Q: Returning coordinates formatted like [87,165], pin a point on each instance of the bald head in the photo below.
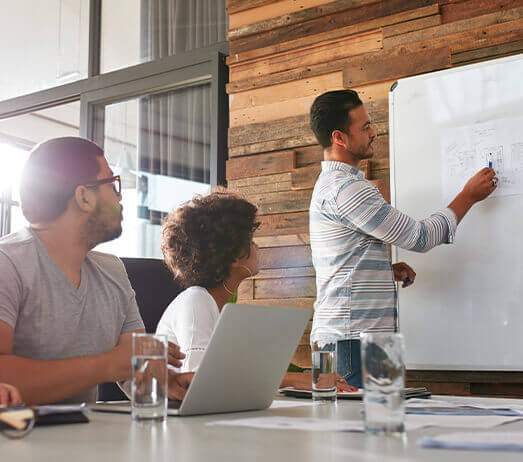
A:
[51,174]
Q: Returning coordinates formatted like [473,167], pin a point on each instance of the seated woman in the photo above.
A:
[9,395]
[208,245]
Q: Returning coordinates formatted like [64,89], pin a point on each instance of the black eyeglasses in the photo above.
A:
[115,180]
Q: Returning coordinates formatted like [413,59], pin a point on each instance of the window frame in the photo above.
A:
[195,67]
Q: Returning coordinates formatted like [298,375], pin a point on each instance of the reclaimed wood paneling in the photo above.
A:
[283,53]
[410,26]
[456,27]
[309,56]
[394,64]
[285,257]
[259,132]
[305,138]
[278,273]
[282,202]
[299,125]
[305,177]
[309,155]
[268,11]
[297,17]
[285,223]
[285,91]
[284,288]
[282,241]
[265,164]
[252,185]
[496,51]
[235,6]
[246,289]
[279,101]
[334,34]
[464,10]
[326,23]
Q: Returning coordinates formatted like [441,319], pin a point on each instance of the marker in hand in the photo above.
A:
[490,164]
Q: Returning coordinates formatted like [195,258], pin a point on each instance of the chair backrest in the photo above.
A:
[154,286]
[155,289]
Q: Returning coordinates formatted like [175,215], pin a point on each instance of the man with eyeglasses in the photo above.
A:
[67,313]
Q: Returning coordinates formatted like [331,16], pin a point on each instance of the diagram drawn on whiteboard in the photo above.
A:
[466,150]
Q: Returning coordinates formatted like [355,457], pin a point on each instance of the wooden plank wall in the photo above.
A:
[283,53]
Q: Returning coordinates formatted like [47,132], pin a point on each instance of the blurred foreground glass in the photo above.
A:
[149,383]
[383,367]
[324,370]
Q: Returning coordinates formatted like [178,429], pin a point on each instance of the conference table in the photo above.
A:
[114,437]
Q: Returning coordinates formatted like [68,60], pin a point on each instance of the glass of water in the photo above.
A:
[149,383]
[324,370]
[383,368]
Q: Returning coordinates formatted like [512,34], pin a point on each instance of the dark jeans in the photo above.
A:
[349,362]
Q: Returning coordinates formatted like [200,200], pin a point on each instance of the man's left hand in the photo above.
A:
[403,273]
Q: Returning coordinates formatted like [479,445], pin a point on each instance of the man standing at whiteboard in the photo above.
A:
[351,226]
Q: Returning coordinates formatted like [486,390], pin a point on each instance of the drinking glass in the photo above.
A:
[383,368]
[324,370]
[149,382]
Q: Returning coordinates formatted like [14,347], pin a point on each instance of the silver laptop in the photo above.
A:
[244,363]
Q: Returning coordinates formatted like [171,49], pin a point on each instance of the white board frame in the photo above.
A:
[469,352]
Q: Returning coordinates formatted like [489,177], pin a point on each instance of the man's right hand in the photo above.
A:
[477,188]
[119,360]
[481,185]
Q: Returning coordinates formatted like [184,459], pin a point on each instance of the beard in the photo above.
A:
[366,152]
[101,227]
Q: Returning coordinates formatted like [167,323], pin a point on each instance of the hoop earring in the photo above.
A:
[229,291]
[248,270]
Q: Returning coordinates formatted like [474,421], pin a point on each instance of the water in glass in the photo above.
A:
[385,408]
[324,375]
[149,390]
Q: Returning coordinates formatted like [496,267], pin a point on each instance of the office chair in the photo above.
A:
[155,290]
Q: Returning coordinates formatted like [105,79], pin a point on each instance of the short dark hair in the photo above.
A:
[330,111]
[51,174]
[202,238]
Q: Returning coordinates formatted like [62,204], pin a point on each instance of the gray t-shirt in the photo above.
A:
[51,318]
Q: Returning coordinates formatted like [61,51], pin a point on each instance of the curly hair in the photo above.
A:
[202,238]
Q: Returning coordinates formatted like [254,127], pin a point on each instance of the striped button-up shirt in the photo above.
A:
[350,227]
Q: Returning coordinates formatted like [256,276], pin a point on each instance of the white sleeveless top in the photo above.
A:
[189,322]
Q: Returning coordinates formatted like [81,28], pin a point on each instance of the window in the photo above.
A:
[138,31]
[159,108]
[163,157]
[18,135]
[47,40]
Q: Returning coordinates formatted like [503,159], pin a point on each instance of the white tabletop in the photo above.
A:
[114,437]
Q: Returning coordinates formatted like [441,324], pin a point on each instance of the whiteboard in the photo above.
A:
[465,309]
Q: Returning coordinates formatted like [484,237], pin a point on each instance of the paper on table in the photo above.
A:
[295,423]
[506,441]
[279,403]
[434,403]
[413,422]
